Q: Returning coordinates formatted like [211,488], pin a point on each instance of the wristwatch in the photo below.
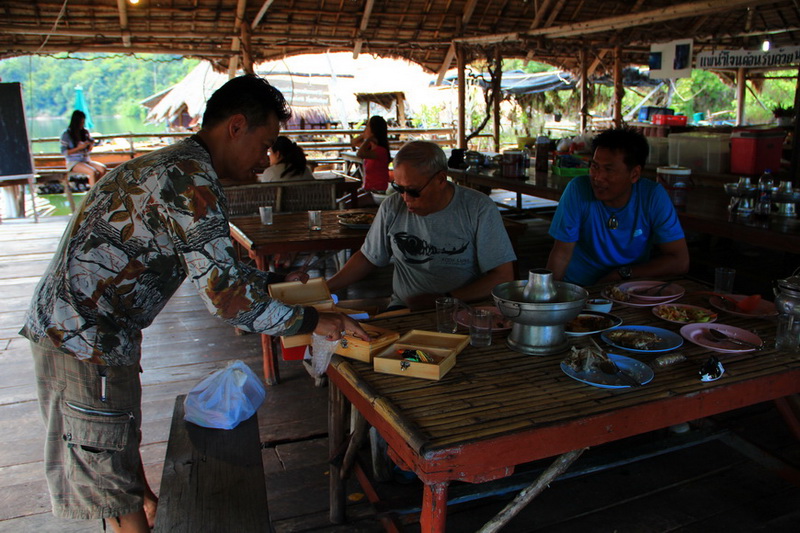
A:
[624,272]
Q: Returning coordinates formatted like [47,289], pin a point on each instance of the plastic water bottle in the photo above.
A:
[764,204]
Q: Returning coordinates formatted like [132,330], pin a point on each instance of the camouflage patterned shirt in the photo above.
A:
[142,229]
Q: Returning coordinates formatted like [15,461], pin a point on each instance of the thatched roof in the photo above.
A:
[422,31]
[318,87]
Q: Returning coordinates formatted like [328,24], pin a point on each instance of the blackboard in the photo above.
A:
[15,152]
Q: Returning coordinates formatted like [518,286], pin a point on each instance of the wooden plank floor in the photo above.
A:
[705,488]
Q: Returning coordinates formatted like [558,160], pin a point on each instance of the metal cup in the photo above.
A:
[480,327]
[266,215]
[723,280]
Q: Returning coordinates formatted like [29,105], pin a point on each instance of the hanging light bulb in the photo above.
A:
[133,2]
[765,46]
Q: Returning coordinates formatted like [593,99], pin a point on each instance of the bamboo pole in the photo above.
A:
[528,494]
[584,96]
[462,112]
[496,83]
[619,90]
[741,83]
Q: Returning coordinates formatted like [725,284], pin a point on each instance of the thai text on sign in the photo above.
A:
[777,57]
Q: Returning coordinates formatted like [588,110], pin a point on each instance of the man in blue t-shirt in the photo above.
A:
[607,223]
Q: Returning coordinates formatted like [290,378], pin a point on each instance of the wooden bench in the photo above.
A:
[213,479]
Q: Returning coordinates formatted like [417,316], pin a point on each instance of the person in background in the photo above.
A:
[607,223]
[373,148]
[442,238]
[287,162]
[76,143]
[141,231]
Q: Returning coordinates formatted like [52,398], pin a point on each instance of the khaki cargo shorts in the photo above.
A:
[91,454]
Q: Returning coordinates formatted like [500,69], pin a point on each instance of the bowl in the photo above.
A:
[599,304]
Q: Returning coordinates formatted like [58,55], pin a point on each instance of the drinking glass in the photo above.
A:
[480,327]
[315,220]
[266,214]
[723,280]
[446,308]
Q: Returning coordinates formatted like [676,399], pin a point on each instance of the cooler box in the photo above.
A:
[701,152]
[754,150]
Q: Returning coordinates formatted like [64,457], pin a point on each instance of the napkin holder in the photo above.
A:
[442,347]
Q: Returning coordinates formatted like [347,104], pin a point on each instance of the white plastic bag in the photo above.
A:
[321,353]
[225,398]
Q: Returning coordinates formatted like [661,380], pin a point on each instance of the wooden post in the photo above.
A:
[584,97]
[401,109]
[433,517]
[337,434]
[619,89]
[794,166]
[496,82]
[462,91]
[741,90]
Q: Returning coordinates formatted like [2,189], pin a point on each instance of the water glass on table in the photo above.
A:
[446,308]
[315,220]
[266,215]
[723,280]
[480,327]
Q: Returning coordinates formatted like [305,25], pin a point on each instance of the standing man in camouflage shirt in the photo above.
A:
[143,229]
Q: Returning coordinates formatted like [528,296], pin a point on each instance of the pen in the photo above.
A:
[103,379]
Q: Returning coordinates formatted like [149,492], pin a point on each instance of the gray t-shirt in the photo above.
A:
[439,252]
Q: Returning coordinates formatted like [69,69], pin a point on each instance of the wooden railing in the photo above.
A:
[320,145]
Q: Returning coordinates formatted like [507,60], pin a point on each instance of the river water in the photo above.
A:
[53,127]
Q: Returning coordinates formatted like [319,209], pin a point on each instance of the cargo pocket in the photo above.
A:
[96,443]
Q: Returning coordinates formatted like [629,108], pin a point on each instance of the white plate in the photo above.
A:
[698,334]
[636,302]
[668,293]
[764,308]
[669,340]
[712,315]
[638,370]
[611,322]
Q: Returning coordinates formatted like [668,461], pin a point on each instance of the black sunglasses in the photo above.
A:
[413,193]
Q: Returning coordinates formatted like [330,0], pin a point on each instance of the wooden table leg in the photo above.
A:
[434,508]
[271,371]
[337,434]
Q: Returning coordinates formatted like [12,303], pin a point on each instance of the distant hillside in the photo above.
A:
[113,84]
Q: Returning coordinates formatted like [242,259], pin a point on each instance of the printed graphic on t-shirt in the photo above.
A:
[417,250]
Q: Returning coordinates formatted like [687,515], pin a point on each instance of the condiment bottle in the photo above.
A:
[763,206]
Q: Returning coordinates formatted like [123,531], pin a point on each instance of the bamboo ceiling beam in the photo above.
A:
[469,9]
[554,13]
[540,12]
[261,12]
[363,27]
[641,18]
[122,6]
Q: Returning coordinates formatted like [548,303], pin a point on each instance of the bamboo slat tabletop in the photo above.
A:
[494,391]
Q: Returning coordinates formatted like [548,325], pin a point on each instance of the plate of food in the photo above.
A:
[700,335]
[617,295]
[500,323]
[652,291]
[642,339]
[356,220]
[684,314]
[589,322]
[588,365]
[764,308]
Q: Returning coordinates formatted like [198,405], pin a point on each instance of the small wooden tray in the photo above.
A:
[443,347]
[362,350]
[314,292]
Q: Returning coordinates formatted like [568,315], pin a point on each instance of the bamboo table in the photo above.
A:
[289,232]
[498,408]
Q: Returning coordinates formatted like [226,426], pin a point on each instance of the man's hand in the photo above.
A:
[335,325]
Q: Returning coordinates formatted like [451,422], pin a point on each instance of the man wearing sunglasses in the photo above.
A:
[443,239]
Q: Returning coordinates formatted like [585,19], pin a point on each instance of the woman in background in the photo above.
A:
[373,148]
[76,143]
[287,162]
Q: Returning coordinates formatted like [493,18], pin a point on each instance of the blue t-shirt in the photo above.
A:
[647,219]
